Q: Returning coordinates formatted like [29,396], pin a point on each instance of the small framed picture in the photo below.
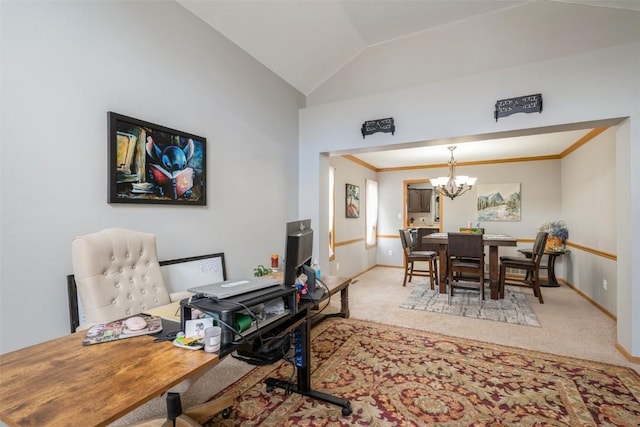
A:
[352,201]
[195,328]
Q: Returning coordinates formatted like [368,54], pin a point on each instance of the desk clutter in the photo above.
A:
[242,315]
[123,328]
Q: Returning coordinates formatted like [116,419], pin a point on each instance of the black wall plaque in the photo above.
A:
[381,125]
[521,104]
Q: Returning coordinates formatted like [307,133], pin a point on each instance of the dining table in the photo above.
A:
[493,241]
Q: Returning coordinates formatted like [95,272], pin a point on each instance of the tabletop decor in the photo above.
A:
[149,163]
[558,234]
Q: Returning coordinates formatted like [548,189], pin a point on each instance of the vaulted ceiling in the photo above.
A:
[306,42]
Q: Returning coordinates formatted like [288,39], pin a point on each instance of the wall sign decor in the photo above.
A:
[380,125]
[521,104]
[352,200]
[149,163]
[499,202]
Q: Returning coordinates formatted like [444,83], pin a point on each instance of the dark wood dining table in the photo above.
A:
[493,241]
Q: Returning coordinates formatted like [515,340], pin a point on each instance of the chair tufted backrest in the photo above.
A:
[117,273]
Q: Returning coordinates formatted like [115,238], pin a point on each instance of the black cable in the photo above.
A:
[328,300]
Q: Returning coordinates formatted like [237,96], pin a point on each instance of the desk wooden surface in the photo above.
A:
[63,383]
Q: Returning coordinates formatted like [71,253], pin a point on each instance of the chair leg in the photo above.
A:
[406,269]
[435,269]
[501,282]
[536,287]
[411,271]
[482,289]
[449,286]
[431,274]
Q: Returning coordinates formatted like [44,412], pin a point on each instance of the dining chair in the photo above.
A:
[530,265]
[412,256]
[465,257]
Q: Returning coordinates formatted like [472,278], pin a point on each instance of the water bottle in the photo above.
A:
[316,267]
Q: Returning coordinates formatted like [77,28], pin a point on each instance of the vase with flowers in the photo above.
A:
[558,234]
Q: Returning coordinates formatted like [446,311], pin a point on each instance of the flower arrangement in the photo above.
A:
[556,229]
[558,234]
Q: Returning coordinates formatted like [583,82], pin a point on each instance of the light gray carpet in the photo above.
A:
[512,309]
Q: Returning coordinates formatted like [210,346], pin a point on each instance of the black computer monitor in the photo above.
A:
[299,250]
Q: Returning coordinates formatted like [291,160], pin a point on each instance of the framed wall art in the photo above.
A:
[499,202]
[352,201]
[149,163]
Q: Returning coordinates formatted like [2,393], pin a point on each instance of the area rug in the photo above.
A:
[512,309]
[396,376]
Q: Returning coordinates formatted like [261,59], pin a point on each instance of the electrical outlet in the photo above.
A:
[604,284]
[337,266]
[390,252]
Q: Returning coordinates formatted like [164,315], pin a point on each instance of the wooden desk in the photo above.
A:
[63,383]
[336,284]
[492,240]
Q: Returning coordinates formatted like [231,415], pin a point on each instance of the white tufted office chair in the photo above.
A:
[118,274]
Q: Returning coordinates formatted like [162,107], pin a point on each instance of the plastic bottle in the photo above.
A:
[316,267]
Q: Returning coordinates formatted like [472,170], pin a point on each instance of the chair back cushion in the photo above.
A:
[117,273]
[403,239]
[465,245]
[539,244]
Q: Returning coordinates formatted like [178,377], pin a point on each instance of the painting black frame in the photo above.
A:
[137,172]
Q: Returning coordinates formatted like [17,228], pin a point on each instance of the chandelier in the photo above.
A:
[452,185]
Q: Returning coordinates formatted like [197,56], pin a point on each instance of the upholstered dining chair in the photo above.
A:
[118,275]
[530,265]
[411,257]
[465,262]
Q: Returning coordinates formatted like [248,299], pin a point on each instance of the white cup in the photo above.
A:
[212,337]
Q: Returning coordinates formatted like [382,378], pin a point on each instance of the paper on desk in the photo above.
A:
[169,311]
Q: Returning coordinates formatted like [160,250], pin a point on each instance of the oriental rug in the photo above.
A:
[512,309]
[396,376]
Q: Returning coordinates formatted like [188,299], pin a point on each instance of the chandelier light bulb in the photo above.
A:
[452,185]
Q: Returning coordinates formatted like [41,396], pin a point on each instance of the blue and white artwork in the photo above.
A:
[499,202]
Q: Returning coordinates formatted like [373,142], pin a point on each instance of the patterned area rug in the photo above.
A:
[512,309]
[402,377]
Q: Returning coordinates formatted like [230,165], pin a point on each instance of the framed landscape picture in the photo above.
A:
[149,163]
[499,202]
[352,201]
